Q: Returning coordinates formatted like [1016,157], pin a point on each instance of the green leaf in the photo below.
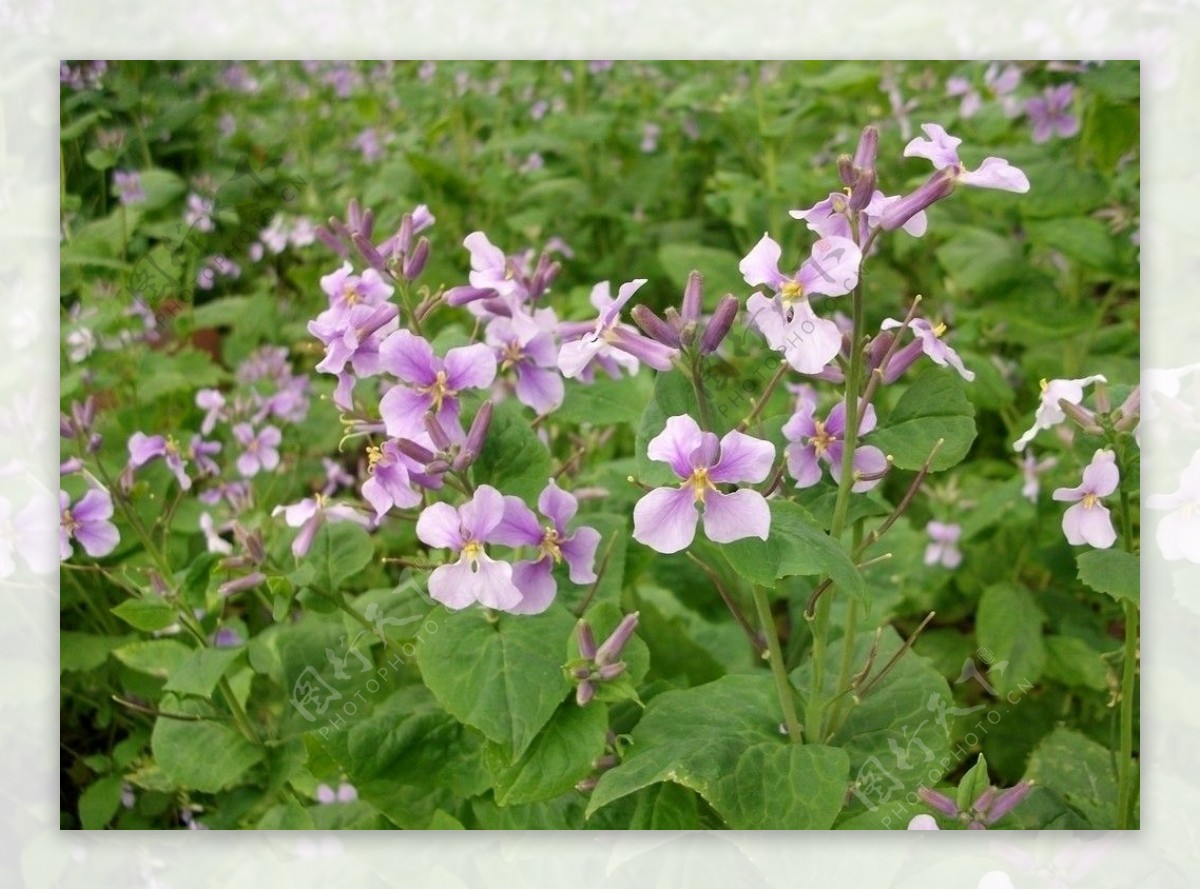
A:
[513,458]
[559,757]
[501,674]
[1114,572]
[199,673]
[86,652]
[100,802]
[934,407]
[147,615]
[160,374]
[1009,623]
[1083,239]
[979,259]
[155,657]
[161,188]
[795,546]
[606,402]
[199,754]
[286,817]
[719,268]
[222,312]
[194,587]
[1071,661]
[339,551]
[1079,770]
[722,740]
[665,807]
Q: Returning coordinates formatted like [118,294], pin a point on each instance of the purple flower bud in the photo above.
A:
[863,190]
[1006,800]
[901,361]
[417,452]
[878,348]
[236,562]
[368,223]
[66,427]
[67,467]
[845,165]
[251,542]
[415,264]
[587,640]
[543,277]
[612,671]
[354,214]
[460,296]
[1083,418]
[372,256]
[404,236]
[340,230]
[246,582]
[611,648]
[581,672]
[441,441]
[475,438]
[938,186]
[692,297]
[586,786]
[868,148]
[1130,411]
[95,440]
[654,327]
[330,240]
[585,692]
[719,325]
[938,801]
[437,467]
[605,762]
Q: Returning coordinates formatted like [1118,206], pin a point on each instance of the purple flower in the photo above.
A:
[309,514]
[927,339]
[261,449]
[942,149]
[143,449]
[1050,113]
[128,184]
[88,523]
[665,519]
[490,268]
[1178,534]
[922,822]
[609,336]
[213,404]
[813,441]
[199,213]
[390,479]
[353,336]
[879,206]
[943,545]
[346,793]
[1031,469]
[474,577]
[345,289]
[429,383]
[201,454]
[1049,412]
[520,528]
[1088,521]
[786,320]
[529,351]
[829,217]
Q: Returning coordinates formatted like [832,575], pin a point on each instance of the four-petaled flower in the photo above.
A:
[942,150]
[529,351]
[88,523]
[665,519]
[1049,412]
[1088,521]
[609,337]
[261,448]
[1050,113]
[474,577]
[927,338]
[429,383]
[786,320]
[143,449]
[346,290]
[812,441]
[942,548]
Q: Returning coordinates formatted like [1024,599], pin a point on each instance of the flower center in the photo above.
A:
[472,550]
[822,439]
[513,354]
[700,483]
[552,544]
[438,390]
[1089,501]
[374,456]
[350,295]
[791,292]
[68,522]
[939,329]
[172,445]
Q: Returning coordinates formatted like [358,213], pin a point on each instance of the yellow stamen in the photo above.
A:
[791,291]
[822,440]
[939,329]
[552,544]
[1089,501]
[438,390]
[374,456]
[700,483]
[350,295]
[472,550]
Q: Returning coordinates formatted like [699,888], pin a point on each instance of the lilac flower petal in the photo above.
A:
[922,822]
[996,173]
[95,506]
[99,537]
[941,148]
[403,412]
[491,584]
[453,585]
[680,438]
[743,459]
[803,464]
[869,461]
[143,448]
[739,514]
[410,358]
[763,314]
[575,355]
[810,343]
[519,526]
[557,505]
[801,426]
[470,367]
[832,268]
[665,519]
[1089,525]
[761,265]
[579,552]
[540,388]
[537,586]
[482,513]
[651,352]
[439,526]
[1100,477]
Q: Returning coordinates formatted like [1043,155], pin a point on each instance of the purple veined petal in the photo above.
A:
[143,448]
[802,425]
[809,342]
[764,314]
[575,355]
[680,438]
[343,393]
[933,553]
[439,525]
[403,412]
[761,265]
[743,459]
[803,464]
[835,423]
[482,513]
[827,218]
[247,464]
[557,505]
[624,293]
[579,552]
[98,537]
[536,583]
[1101,476]
[388,486]
[490,583]
[410,358]
[1083,524]
[295,515]
[268,457]
[739,514]
[539,348]
[665,519]
[996,173]
[519,526]
[470,367]
[706,452]
[941,148]
[832,267]
[95,506]
[451,585]
[542,389]
[866,419]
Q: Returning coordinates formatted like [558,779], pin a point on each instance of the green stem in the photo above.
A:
[775,653]
[848,641]
[1127,769]
[701,396]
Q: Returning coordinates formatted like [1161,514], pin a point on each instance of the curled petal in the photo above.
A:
[676,443]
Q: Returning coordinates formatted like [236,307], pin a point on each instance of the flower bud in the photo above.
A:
[330,240]
[719,325]
[845,165]
[692,297]
[415,264]
[475,438]
[460,296]
[654,327]
[417,452]
[441,441]
[938,186]
[611,648]
[1083,418]
[612,671]
[868,148]
[587,640]
[864,189]
[354,215]
[246,582]
[67,467]
[938,801]
[404,235]
[95,440]
[373,257]
[1006,800]
[585,692]
[1130,411]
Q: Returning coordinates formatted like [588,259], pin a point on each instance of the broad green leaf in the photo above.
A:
[286,817]
[339,551]
[161,187]
[795,546]
[934,406]
[606,402]
[1009,624]
[719,268]
[100,802]
[1081,771]
[722,740]
[1083,239]
[1114,572]
[559,757]
[200,755]
[513,458]
[1072,661]
[665,807]
[160,374]
[499,673]
[147,614]
[155,657]
[199,673]
[86,652]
